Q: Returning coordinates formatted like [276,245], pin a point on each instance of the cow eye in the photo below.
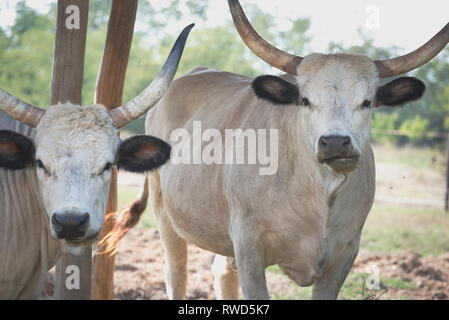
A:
[366,104]
[305,102]
[40,165]
[107,167]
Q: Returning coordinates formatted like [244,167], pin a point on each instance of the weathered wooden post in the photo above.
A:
[67,84]
[109,93]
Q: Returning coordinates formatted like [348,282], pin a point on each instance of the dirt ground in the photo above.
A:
[429,277]
[139,272]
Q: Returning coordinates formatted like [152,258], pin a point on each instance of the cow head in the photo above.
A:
[75,147]
[335,97]
[336,94]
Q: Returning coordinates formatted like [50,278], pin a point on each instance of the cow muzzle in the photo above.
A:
[338,153]
[70,225]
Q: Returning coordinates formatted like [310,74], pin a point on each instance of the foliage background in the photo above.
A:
[26,50]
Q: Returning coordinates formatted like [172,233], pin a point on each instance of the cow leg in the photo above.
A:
[175,265]
[226,281]
[328,286]
[175,260]
[249,257]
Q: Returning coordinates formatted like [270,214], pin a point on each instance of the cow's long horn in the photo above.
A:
[414,59]
[20,110]
[151,95]
[270,54]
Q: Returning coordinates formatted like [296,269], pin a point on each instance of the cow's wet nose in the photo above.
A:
[70,226]
[335,146]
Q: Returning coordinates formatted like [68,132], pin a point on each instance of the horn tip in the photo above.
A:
[189,27]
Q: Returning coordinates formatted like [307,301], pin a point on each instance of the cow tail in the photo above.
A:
[130,216]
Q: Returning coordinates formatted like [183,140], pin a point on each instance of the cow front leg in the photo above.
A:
[226,281]
[328,286]
[175,266]
[250,260]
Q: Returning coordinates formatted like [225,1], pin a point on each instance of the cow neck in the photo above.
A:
[300,157]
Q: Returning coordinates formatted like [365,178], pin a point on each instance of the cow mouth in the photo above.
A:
[342,164]
[83,241]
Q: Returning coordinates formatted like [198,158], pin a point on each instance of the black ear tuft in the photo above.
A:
[142,153]
[16,150]
[400,91]
[275,90]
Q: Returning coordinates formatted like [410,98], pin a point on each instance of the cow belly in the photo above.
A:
[196,228]
[196,207]
[282,246]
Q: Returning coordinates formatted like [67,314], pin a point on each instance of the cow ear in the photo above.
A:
[16,150]
[399,91]
[275,90]
[142,153]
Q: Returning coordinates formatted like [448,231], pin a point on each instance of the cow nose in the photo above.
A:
[335,145]
[70,226]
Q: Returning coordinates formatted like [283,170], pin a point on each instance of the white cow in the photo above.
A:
[307,217]
[55,180]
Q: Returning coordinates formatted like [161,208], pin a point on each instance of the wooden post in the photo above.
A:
[70,46]
[67,84]
[109,93]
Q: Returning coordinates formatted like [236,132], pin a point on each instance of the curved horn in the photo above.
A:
[151,95]
[414,59]
[20,110]
[270,54]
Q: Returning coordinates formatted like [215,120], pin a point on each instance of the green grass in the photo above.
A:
[397,283]
[353,288]
[392,228]
[274,269]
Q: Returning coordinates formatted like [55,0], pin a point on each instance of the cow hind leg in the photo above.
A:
[226,281]
[175,266]
[328,286]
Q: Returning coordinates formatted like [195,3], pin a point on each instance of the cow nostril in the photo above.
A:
[346,142]
[84,219]
[323,142]
[56,223]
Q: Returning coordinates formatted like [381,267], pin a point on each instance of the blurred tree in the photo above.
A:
[417,126]
[26,56]
[382,123]
[26,48]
